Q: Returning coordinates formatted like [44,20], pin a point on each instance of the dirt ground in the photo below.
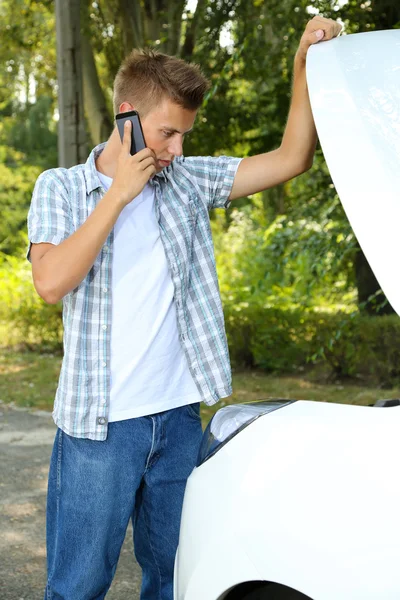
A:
[26,440]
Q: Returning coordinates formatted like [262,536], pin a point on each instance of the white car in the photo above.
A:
[296,500]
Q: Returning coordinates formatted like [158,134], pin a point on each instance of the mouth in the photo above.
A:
[165,163]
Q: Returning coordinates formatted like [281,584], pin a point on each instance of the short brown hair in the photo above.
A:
[146,77]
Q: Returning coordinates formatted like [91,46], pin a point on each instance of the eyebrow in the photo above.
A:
[172,130]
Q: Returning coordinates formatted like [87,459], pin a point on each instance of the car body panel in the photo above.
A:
[287,518]
[354,89]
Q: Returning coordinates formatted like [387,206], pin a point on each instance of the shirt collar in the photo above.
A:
[92,179]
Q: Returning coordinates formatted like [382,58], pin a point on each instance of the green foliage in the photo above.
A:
[301,259]
[25,317]
[33,131]
[287,340]
[28,144]
[359,345]
[17,179]
[286,258]
[269,338]
[28,48]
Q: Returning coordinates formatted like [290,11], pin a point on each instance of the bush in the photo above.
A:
[275,339]
[17,179]
[272,339]
[281,341]
[361,346]
[24,316]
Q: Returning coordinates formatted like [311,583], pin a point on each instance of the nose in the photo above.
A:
[175,147]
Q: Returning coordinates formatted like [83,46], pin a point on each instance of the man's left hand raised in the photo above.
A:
[317,30]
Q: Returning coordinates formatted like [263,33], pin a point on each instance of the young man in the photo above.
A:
[125,242]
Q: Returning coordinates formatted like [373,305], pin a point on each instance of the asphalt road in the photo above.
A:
[26,440]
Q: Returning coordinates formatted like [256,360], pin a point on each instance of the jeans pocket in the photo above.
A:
[194,410]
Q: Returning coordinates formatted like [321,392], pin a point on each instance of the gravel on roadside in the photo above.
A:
[26,440]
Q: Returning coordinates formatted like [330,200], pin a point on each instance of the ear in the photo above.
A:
[125,107]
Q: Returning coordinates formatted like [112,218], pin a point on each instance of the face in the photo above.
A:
[164,129]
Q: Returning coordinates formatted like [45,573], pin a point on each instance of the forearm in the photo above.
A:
[65,266]
[300,137]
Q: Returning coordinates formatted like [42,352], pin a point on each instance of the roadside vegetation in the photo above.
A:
[29,379]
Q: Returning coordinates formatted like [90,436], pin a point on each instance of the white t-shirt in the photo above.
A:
[149,370]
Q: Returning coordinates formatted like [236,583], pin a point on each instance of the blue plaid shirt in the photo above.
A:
[184,193]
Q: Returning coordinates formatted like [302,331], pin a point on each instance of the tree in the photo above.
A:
[72,148]
[245,112]
[113,29]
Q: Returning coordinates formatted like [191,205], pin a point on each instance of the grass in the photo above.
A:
[30,379]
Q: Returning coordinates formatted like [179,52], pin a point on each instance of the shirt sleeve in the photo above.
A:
[214,176]
[49,216]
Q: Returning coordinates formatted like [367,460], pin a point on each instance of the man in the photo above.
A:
[125,242]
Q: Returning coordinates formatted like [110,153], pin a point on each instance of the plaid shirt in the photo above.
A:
[184,193]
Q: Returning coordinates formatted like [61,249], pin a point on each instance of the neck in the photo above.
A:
[107,161]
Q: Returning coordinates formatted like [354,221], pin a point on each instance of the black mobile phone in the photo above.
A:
[137,141]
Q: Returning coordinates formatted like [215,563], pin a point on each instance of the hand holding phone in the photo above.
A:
[132,172]
[137,141]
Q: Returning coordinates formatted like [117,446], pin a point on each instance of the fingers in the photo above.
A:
[320,28]
[317,30]
[126,142]
[147,162]
[139,156]
[145,153]
[150,170]
[142,161]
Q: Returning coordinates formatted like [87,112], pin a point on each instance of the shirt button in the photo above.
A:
[102,420]
[105,290]
[105,248]
[104,327]
[104,363]
[104,401]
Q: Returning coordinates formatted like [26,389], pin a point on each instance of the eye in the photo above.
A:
[167,134]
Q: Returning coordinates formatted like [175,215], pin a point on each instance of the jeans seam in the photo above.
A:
[152,445]
[152,550]
[58,490]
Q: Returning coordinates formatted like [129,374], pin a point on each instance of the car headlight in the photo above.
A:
[232,419]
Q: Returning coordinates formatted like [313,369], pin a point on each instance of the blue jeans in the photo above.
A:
[139,472]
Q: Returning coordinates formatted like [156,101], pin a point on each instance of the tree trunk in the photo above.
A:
[367,286]
[96,111]
[71,127]
[191,31]
[174,16]
[386,13]
[131,23]
[162,21]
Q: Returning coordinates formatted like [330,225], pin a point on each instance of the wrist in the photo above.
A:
[116,197]
[301,56]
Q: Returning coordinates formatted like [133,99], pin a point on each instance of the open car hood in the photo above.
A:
[354,88]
